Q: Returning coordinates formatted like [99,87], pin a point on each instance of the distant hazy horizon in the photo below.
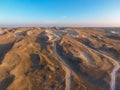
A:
[78,13]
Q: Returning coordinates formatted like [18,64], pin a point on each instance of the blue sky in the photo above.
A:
[60,12]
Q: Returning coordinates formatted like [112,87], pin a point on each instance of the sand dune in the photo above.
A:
[59,59]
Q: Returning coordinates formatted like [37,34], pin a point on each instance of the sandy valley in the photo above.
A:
[57,58]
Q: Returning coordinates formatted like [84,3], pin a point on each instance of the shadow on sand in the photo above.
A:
[4,48]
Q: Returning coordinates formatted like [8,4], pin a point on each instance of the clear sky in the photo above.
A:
[60,12]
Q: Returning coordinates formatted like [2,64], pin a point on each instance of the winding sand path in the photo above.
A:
[67,70]
[115,63]
[68,76]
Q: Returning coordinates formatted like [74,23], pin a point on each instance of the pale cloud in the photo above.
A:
[64,17]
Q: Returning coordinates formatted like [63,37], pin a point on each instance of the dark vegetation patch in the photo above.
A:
[42,42]
[35,59]
[114,36]
[6,82]
[110,50]
[87,42]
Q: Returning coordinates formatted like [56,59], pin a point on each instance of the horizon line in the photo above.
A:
[55,25]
